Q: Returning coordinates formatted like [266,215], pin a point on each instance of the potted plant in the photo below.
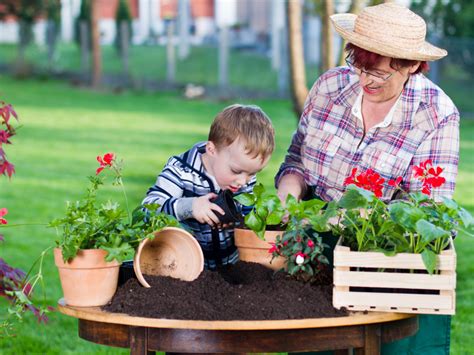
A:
[94,238]
[283,235]
[397,256]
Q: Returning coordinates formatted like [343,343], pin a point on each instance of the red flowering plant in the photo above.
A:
[416,223]
[90,224]
[299,221]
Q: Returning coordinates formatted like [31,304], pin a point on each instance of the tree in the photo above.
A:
[96,53]
[450,18]
[26,11]
[299,90]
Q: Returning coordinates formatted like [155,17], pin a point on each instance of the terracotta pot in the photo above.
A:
[173,252]
[253,249]
[88,280]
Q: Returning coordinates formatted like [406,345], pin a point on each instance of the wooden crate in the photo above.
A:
[371,281]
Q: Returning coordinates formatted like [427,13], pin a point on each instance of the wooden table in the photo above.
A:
[364,332]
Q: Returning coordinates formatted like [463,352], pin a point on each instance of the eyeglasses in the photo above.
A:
[375,77]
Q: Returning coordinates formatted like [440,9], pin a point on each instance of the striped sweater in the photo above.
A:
[183,178]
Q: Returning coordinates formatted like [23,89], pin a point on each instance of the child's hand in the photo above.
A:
[203,210]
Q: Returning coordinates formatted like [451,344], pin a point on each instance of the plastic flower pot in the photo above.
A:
[126,272]
[87,280]
[225,200]
[173,252]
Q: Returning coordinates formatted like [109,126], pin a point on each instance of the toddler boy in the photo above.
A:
[240,143]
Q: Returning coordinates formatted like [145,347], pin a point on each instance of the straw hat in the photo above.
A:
[390,30]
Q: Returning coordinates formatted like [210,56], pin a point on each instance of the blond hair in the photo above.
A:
[247,122]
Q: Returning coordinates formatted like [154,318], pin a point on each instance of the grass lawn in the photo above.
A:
[64,129]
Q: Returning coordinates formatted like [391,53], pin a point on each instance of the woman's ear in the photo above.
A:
[414,67]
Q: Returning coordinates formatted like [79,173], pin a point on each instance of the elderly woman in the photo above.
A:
[378,112]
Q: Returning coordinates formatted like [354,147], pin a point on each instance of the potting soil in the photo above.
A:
[244,291]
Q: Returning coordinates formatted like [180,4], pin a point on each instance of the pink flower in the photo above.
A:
[3,212]
[310,244]
[105,161]
[273,249]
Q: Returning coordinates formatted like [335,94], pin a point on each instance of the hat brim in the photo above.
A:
[344,25]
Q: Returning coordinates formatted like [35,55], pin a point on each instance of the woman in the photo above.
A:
[378,112]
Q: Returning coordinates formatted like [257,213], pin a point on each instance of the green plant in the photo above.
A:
[414,224]
[300,222]
[88,224]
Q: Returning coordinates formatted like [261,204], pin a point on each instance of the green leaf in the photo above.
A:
[245,199]
[429,231]
[258,190]
[466,217]
[405,214]
[253,222]
[449,203]
[429,259]
[275,217]
[354,198]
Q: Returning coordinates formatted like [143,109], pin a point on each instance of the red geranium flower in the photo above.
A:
[429,175]
[3,212]
[105,161]
[395,183]
[368,180]
[310,244]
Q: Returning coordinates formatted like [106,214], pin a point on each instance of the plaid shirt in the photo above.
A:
[184,177]
[330,139]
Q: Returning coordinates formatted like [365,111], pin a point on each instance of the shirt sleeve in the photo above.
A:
[167,191]
[442,147]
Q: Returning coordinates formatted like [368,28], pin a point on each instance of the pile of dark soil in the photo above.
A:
[244,291]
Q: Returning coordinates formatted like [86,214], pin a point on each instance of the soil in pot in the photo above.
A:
[244,291]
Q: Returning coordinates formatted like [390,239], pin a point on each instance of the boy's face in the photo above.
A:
[231,166]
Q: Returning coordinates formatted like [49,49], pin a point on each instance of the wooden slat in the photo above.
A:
[394,280]
[379,260]
[375,299]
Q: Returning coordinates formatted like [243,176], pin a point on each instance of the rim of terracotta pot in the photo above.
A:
[173,252]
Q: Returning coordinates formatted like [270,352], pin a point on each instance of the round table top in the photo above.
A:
[354,318]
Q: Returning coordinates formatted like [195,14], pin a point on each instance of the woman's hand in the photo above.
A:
[291,184]
[203,210]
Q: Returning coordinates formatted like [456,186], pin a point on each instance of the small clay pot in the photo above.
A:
[225,200]
[87,280]
[173,252]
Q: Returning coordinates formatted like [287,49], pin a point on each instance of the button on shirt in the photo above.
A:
[330,140]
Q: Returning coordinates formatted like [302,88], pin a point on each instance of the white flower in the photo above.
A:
[299,259]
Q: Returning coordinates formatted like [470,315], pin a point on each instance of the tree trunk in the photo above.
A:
[356,6]
[299,89]
[170,53]
[327,40]
[96,54]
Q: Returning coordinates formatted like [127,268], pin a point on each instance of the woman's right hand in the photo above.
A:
[291,184]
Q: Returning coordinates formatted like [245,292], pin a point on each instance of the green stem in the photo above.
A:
[23,224]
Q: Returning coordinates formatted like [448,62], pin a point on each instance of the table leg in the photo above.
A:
[139,341]
[373,337]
